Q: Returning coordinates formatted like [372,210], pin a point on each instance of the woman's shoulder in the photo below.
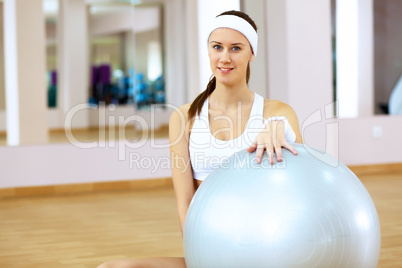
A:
[180,115]
[178,122]
[181,111]
[276,108]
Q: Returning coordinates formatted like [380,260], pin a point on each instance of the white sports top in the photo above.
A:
[208,153]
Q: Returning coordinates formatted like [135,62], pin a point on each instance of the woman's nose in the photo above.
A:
[225,56]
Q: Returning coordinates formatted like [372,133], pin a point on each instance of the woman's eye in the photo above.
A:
[217,47]
[236,48]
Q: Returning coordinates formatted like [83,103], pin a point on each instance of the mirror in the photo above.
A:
[126,54]
[126,58]
[125,50]
[387,54]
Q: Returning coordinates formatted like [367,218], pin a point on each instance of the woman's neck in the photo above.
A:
[229,97]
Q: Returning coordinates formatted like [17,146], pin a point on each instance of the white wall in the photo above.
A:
[66,164]
[358,146]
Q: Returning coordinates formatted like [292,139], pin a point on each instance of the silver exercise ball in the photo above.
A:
[301,212]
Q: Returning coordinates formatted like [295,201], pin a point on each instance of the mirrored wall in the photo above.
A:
[125,53]
[388,56]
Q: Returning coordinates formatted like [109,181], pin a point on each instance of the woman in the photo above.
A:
[225,118]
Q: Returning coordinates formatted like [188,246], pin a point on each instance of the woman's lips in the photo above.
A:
[225,70]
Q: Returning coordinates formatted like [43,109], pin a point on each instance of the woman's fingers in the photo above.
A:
[270,153]
[260,152]
[252,147]
[278,151]
[271,141]
[290,147]
[277,126]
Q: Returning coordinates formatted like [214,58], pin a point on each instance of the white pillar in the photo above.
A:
[73,63]
[299,54]
[259,67]
[300,65]
[129,50]
[192,44]
[174,32]
[2,83]
[354,42]
[277,50]
[25,71]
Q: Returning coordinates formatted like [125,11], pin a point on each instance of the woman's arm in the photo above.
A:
[180,158]
[272,138]
[289,113]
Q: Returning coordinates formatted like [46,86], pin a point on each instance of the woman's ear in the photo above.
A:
[252,57]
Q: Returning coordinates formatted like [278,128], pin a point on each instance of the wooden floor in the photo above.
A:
[85,230]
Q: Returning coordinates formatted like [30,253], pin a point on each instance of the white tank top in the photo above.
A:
[208,153]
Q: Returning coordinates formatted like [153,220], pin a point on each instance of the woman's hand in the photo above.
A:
[272,138]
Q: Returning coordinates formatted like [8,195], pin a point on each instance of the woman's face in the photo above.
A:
[229,54]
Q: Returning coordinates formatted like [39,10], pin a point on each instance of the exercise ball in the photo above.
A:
[301,212]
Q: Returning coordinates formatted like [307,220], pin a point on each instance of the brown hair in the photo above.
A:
[197,104]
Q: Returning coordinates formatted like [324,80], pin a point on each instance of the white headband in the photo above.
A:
[236,23]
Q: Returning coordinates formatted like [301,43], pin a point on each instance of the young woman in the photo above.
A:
[227,117]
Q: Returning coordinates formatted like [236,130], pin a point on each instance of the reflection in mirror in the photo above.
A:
[388,56]
[50,9]
[126,54]
[333,50]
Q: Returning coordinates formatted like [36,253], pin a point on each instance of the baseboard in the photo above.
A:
[52,190]
[64,189]
[376,169]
